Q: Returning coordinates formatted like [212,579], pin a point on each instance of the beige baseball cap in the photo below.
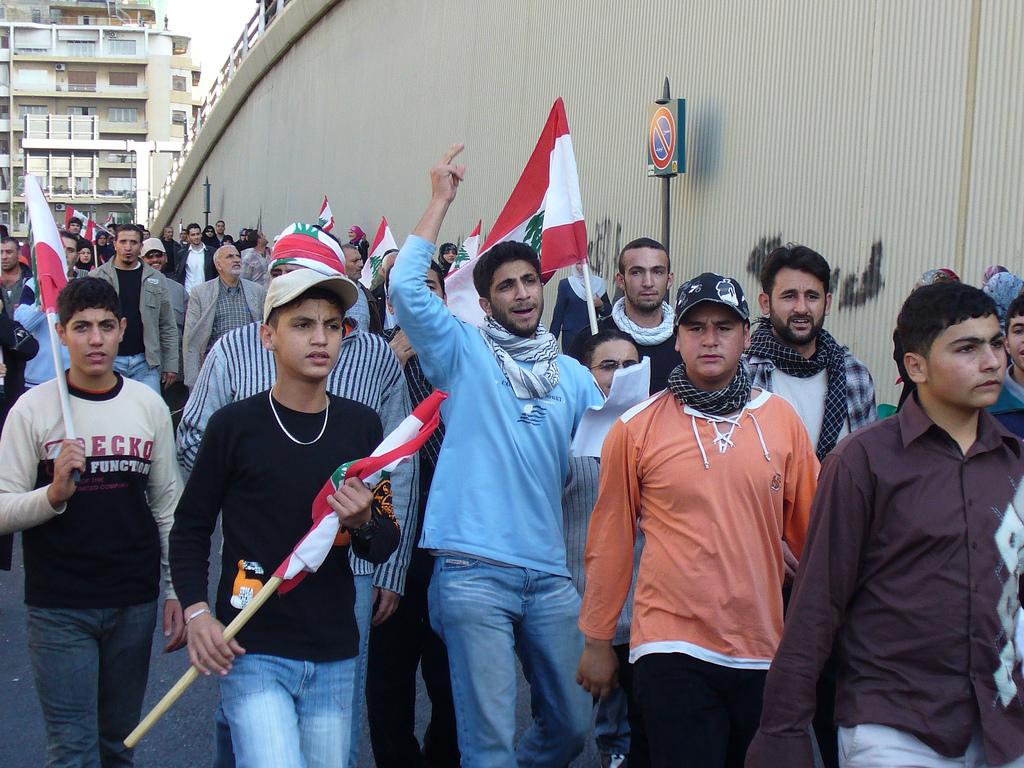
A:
[292,285]
[153,244]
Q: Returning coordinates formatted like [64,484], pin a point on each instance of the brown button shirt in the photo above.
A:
[912,566]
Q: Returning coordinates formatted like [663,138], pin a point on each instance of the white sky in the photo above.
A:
[214,26]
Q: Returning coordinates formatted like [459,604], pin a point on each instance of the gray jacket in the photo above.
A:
[199,317]
[159,331]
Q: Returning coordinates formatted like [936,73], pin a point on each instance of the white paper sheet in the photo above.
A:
[629,386]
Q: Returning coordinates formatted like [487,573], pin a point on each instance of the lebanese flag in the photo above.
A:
[88,225]
[545,211]
[48,262]
[383,242]
[465,304]
[326,218]
[407,438]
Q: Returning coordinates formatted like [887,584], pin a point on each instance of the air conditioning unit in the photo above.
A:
[60,67]
[59,206]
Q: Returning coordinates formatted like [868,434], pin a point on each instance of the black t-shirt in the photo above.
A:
[129,289]
[664,357]
[264,485]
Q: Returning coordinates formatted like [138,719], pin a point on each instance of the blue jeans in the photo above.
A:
[136,368]
[487,615]
[285,713]
[90,667]
[611,723]
[364,614]
[224,757]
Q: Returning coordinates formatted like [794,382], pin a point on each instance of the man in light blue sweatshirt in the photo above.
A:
[494,518]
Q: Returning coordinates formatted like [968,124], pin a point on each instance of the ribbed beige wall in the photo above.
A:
[838,124]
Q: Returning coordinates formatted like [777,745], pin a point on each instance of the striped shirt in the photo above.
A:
[578,501]
[238,366]
[232,311]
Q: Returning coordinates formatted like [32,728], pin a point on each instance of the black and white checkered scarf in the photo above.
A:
[541,352]
[828,356]
[718,402]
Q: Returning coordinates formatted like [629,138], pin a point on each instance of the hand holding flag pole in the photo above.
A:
[310,553]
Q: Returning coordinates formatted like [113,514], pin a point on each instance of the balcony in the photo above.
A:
[61,127]
[5,125]
[5,160]
[62,90]
[5,195]
[139,126]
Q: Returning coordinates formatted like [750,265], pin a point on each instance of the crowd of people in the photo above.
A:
[757,570]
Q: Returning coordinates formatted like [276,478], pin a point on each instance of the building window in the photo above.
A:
[85,48]
[33,109]
[32,78]
[179,117]
[83,185]
[124,79]
[121,47]
[179,83]
[121,184]
[82,111]
[123,114]
[81,80]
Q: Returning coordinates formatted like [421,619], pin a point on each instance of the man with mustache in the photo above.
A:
[792,355]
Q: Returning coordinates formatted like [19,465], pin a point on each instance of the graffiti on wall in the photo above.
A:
[849,290]
[603,246]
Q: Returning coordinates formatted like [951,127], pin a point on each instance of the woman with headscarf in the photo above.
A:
[1003,287]
[571,315]
[210,239]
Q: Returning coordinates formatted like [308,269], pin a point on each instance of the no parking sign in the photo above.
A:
[666,137]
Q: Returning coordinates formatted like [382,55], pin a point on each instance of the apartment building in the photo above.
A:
[96,98]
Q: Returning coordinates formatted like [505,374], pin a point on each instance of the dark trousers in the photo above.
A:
[90,667]
[697,714]
[6,551]
[397,647]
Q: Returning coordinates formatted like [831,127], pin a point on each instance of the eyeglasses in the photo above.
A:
[613,365]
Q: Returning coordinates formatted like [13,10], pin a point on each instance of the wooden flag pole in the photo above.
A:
[192,674]
[591,312]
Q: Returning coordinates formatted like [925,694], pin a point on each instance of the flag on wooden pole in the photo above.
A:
[545,211]
[407,438]
[308,555]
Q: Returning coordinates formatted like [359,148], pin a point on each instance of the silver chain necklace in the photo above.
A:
[327,412]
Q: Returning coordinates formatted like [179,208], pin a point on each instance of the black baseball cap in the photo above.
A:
[710,287]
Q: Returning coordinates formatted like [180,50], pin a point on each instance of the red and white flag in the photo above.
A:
[407,438]
[50,268]
[383,242]
[48,261]
[88,225]
[544,211]
[326,218]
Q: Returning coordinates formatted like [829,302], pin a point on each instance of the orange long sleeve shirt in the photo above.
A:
[715,499]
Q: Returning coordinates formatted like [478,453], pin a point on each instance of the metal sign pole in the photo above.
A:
[666,195]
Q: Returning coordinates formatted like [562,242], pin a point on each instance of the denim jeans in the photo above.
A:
[286,713]
[224,756]
[487,615]
[136,368]
[364,614]
[90,667]
[611,723]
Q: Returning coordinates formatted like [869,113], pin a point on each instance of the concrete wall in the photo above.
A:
[883,134]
